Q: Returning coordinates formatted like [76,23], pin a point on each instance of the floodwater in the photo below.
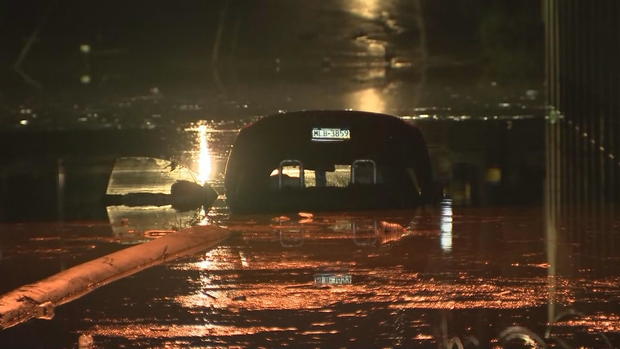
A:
[420,277]
[491,275]
[501,262]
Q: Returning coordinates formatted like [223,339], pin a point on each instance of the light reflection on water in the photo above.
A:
[398,281]
[370,99]
[495,273]
[446,225]
[369,9]
[402,287]
[150,330]
[205,165]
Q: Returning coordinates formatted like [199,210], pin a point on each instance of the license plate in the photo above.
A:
[330,134]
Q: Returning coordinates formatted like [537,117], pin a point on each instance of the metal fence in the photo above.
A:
[582,68]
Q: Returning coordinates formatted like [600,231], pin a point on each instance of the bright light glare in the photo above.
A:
[85,79]
[369,99]
[204,156]
[364,8]
[205,264]
[85,48]
[446,226]
[205,218]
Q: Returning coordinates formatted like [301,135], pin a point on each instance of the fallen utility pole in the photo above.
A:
[38,300]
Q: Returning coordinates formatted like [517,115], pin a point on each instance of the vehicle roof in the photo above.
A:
[329,117]
[288,136]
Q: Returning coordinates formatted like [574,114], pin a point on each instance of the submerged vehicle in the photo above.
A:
[145,181]
[328,160]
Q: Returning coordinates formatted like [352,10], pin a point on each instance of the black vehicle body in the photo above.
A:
[387,159]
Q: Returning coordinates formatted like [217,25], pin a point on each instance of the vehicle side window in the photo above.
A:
[364,171]
[292,174]
[340,177]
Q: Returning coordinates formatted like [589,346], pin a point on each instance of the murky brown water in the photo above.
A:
[405,278]
[434,276]
[482,276]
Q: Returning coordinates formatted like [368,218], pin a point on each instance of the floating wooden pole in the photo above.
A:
[39,299]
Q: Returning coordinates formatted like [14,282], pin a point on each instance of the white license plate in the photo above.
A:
[330,134]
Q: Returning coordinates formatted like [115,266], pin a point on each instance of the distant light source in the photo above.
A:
[494,175]
[85,48]
[24,122]
[85,79]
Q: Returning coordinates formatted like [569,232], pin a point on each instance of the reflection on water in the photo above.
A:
[376,49]
[581,233]
[137,224]
[145,175]
[204,157]
[370,99]
[369,9]
[446,225]
[132,224]
[493,286]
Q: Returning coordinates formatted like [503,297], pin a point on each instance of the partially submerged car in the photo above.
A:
[144,181]
[328,160]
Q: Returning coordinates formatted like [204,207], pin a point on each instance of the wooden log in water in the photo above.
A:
[39,299]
